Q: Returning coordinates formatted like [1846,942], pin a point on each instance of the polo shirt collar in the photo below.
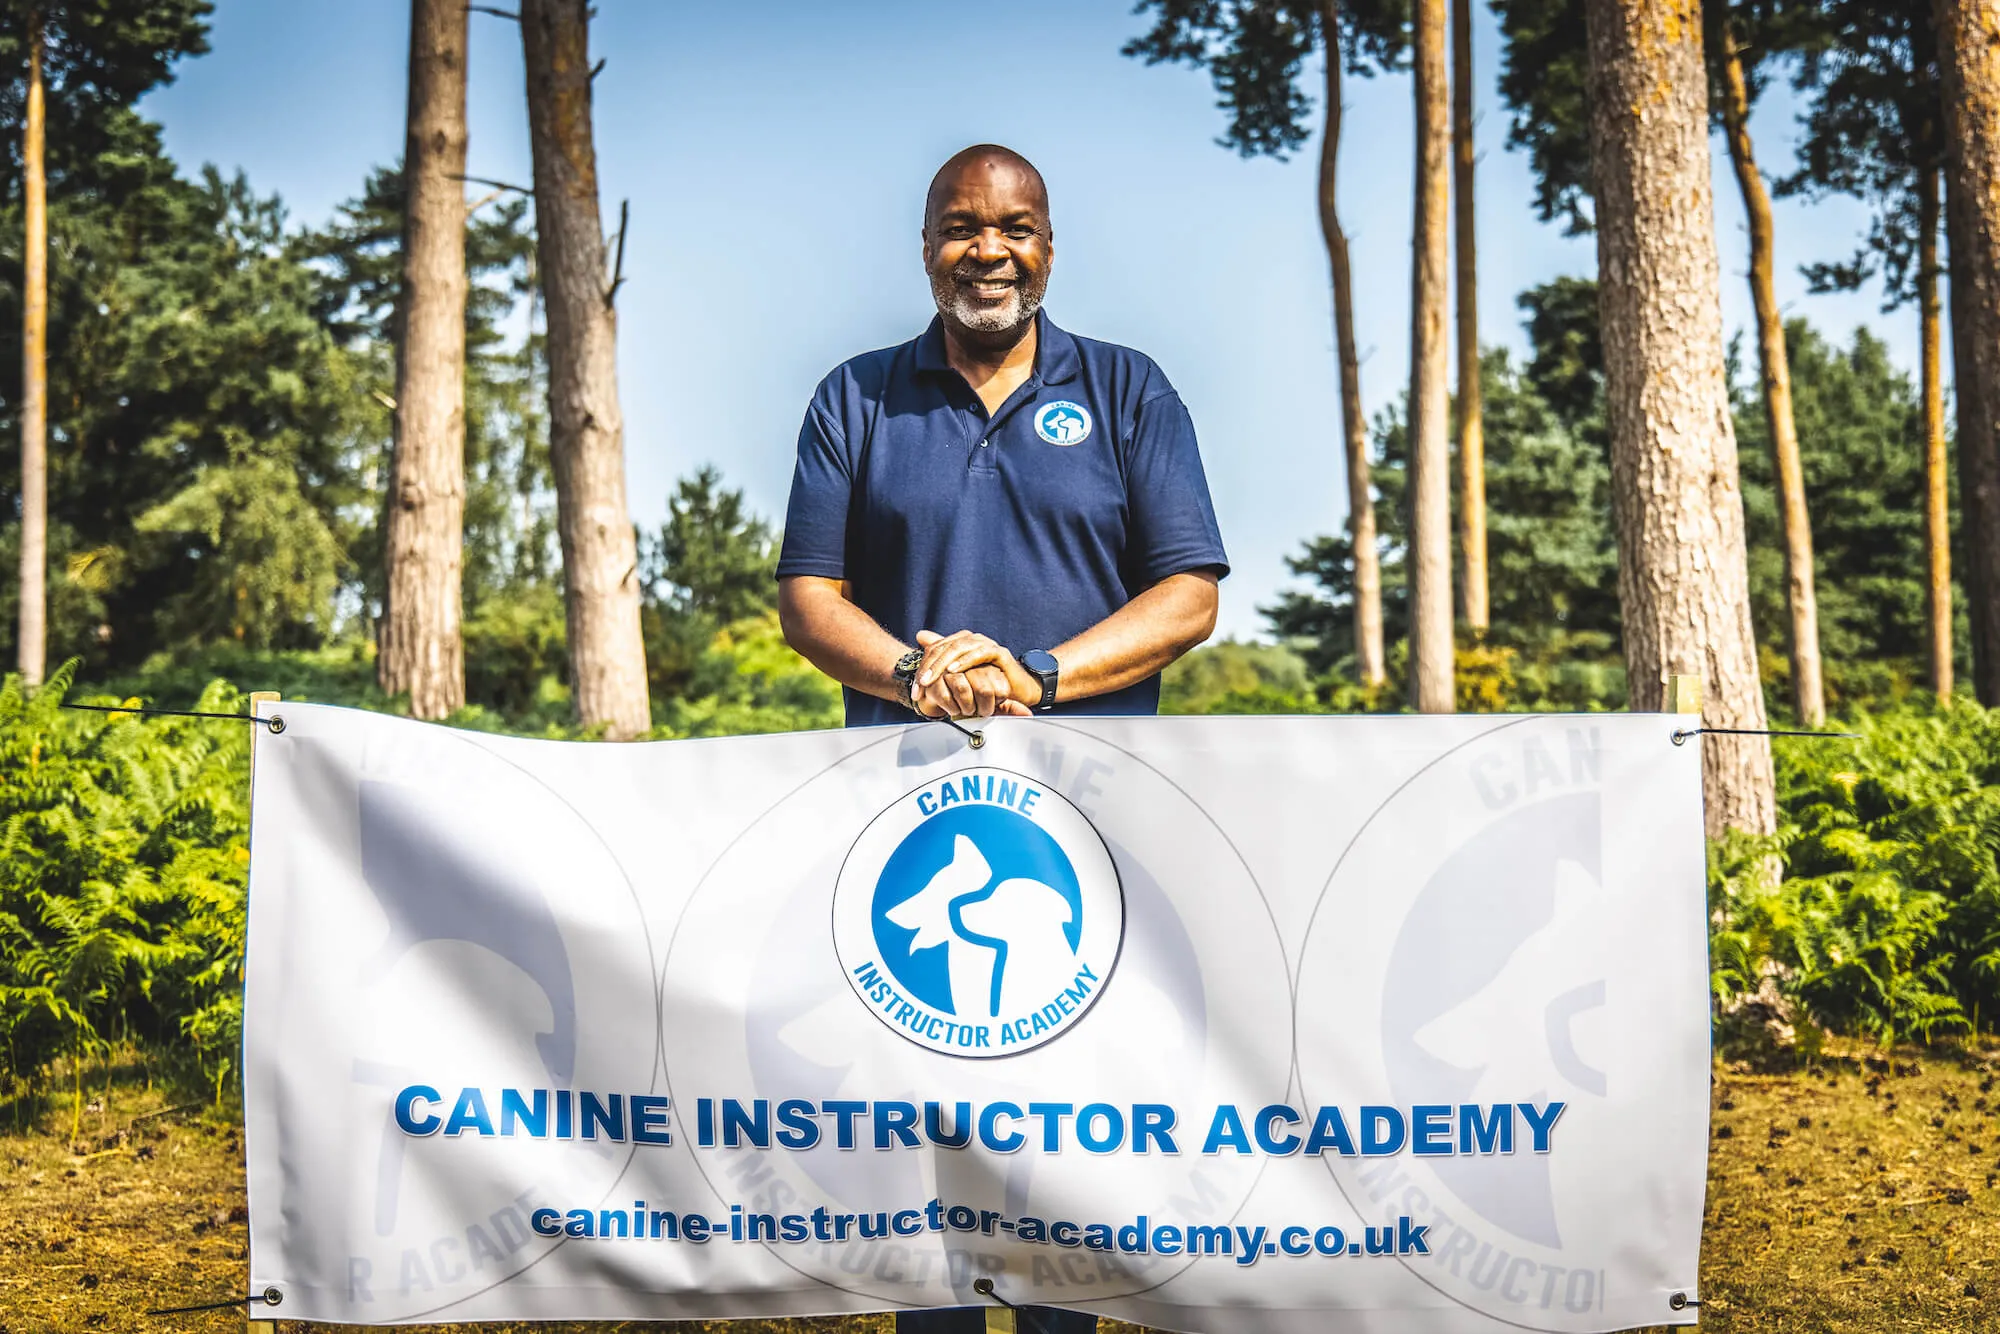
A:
[1056,358]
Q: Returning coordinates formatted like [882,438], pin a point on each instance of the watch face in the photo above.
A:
[1039,661]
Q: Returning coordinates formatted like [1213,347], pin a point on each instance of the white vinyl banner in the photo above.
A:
[1213,1024]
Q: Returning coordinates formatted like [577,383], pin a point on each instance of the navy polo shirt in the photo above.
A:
[1030,525]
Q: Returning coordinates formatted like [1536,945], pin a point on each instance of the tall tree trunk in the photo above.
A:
[1802,628]
[1937,485]
[31,644]
[1683,581]
[1368,656]
[1969,57]
[586,430]
[1465,253]
[422,650]
[1431,684]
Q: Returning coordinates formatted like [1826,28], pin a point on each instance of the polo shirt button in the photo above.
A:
[984,443]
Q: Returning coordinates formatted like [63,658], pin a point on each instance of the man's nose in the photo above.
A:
[990,247]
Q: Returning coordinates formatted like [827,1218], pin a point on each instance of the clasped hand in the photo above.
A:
[967,675]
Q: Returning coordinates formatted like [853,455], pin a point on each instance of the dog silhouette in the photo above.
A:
[928,912]
[1028,920]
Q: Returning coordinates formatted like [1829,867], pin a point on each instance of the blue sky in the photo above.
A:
[775,154]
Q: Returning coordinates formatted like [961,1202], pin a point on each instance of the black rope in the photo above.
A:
[984,1287]
[269,1296]
[1684,733]
[274,722]
[977,739]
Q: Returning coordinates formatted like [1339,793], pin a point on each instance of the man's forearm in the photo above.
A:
[839,638]
[1140,639]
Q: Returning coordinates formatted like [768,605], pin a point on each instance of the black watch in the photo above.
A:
[1041,664]
[905,672]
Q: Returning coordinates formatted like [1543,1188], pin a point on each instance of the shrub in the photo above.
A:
[122,875]
[1886,918]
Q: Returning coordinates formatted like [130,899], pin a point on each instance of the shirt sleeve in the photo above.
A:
[1173,528]
[816,517]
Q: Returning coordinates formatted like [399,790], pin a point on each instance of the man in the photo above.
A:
[997,517]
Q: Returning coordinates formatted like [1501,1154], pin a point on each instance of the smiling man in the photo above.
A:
[997,516]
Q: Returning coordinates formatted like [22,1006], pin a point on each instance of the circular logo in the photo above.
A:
[980,915]
[1062,422]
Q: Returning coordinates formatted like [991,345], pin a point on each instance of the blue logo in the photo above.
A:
[979,915]
[1063,422]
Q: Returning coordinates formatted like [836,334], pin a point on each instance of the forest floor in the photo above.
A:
[1841,1196]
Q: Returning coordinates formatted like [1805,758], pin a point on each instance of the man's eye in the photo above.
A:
[1019,233]
[958,233]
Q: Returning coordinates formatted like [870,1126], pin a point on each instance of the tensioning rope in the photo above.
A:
[274,722]
[1681,736]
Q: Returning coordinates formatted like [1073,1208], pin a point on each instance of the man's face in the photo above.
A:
[987,247]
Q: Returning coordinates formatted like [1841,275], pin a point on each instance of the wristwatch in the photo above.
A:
[905,673]
[1041,664]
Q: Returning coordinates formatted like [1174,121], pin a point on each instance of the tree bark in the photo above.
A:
[1969,58]
[1683,582]
[1431,681]
[586,429]
[31,642]
[1368,654]
[422,649]
[1802,628]
[1937,485]
[1465,253]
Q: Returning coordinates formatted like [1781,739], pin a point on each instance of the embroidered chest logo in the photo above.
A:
[1063,422]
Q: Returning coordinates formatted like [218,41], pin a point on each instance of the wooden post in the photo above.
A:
[259,697]
[1684,695]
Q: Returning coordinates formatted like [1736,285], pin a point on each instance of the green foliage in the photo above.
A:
[1861,443]
[204,428]
[1886,920]
[122,877]
[357,265]
[1873,126]
[750,681]
[98,58]
[1550,543]
[1255,51]
[1233,677]
[1542,84]
[710,565]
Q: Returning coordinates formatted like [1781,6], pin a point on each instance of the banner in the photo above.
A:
[1212,1024]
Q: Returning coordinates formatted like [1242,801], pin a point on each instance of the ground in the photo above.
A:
[1843,1195]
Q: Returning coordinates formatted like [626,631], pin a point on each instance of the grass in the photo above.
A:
[1842,1196]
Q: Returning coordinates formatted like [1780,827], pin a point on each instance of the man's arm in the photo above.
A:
[831,632]
[1138,640]
[836,636]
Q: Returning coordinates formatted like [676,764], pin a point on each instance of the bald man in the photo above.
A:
[997,517]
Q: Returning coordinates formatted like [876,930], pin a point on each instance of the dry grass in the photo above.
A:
[1841,1197]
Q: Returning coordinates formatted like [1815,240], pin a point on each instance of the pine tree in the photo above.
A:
[1683,586]
[422,647]
[1256,51]
[586,428]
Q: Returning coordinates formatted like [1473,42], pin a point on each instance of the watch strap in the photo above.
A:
[905,672]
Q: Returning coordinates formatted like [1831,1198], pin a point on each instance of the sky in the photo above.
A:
[775,155]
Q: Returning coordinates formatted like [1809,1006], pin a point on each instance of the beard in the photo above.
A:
[1011,313]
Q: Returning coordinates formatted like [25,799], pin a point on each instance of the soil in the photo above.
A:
[1842,1195]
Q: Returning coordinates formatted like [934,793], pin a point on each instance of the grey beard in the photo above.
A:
[1020,306]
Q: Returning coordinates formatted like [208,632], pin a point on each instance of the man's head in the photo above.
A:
[987,242]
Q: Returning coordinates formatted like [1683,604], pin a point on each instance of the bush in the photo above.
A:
[1885,920]
[122,879]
